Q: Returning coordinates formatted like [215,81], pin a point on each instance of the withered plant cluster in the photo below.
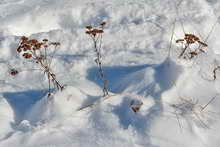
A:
[189,52]
[190,109]
[35,50]
[96,32]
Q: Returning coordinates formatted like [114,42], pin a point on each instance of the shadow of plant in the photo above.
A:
[21,102]
[114,74]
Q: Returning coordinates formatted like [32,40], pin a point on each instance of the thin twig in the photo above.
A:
[203,108]
[171,39]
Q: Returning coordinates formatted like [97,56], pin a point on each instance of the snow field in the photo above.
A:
[135,58]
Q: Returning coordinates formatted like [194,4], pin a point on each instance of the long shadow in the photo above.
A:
[166,75]
[21,102]
[113,74]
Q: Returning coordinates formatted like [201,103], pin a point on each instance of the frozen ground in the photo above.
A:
[135,59]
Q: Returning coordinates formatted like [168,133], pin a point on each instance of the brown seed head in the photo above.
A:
[45,40]
[55,43]
[97,31]
[19,49]
[23,38]
[27,55]
[89,27]
[33,42]
[88,32]
[13,72]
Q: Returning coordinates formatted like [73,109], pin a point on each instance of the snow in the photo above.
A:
[172,93]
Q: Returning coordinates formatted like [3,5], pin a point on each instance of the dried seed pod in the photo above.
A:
[13,72]
[93,33]
[193,54]
[19,49]
[27,55]
[89,27]
[97,31]
[88,32]
[32,42]
[45,40]
[196,38]
[26,47]
[103,23]
[190,41]
[23,38]
[135,109]
[55,43]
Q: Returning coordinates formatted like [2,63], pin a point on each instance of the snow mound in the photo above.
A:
[6,118]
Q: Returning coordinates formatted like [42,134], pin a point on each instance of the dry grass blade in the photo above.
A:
[171,38]
[210,101]
[102,99]
[190,109]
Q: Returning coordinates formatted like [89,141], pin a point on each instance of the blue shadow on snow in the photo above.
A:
[113,74]
[21,102]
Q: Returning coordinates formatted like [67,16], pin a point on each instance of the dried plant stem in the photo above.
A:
[203,108]
[51,77]
[184,50]
[96,35]
[171,39]
[100,69]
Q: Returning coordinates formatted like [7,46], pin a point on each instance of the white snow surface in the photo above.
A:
[135,59]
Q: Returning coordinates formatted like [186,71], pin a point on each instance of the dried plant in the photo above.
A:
[96,32]
[190,109]
[13,72]
[187,51]
[37,51]
[136,105]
